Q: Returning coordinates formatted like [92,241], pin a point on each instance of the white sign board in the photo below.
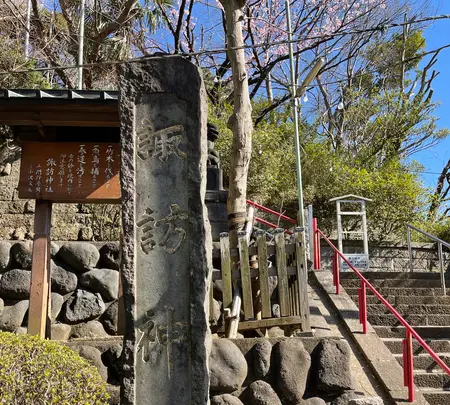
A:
[359,261]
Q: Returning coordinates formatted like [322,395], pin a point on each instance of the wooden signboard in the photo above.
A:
[70,172]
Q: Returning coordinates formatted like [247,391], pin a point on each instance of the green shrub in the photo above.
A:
[42,372]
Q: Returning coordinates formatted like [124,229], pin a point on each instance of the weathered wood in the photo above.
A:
[268,323]
[245,276]
[226,269]
[69,171]
[211,302]
[60,119]
[263,274]
[236,274]
[283,292]
[302,277]
[40,271]
[252,250]
[256,288]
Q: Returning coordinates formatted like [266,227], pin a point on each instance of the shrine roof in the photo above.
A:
[350,197]
[59,94]
[59,108]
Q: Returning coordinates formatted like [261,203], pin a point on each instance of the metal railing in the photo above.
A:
[408,364]
[439,242]
[272,212]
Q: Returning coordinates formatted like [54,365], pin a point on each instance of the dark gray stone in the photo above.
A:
[83,306]
[261,393]
[275,331]
[63,281]
[366,401]
[110,256]
[13,315]
[227,365]
[225,399]
[104,281]
[333,367]
[54,249]
[312,401]
[292,364]
[5,255]
[22,254]
[60,331]
[344,398]
[15,284]
[110,318]
[276,310]
[217,311]
[261,358]
[57,303]
[112,359]
[94,356]
[91,329]
[166,238]
[81,256]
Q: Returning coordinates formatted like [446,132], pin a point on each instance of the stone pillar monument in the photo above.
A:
[166,236]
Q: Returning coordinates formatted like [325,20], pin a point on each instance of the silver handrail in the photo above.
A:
[439,242]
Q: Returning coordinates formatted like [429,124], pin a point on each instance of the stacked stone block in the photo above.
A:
[84,285]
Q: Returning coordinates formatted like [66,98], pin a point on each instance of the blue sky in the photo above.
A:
[434,159]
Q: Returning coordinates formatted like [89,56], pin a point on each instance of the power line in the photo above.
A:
[379,27]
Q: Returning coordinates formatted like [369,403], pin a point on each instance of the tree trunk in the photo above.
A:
[439,193]
[240,121]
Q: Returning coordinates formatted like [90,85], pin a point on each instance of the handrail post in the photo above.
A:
[408,236]
[314,222]
[408,365]
[319,265]
[335,270]
[441,268]
[362,300]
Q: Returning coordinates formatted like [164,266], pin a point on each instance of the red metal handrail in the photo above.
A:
[270,224]
[262,208]
[408,366]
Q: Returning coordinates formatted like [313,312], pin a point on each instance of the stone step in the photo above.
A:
[436,397]
[426,332]
[426,362]
[438,346]
[412,319]
[431,380]
[409,283]
[410,309]
[403,300]
[383,275]
[401,292]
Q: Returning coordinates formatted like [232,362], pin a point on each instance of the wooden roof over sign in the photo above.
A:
[54,115]
[81,108]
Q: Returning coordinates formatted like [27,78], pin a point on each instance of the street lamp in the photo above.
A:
[295,94]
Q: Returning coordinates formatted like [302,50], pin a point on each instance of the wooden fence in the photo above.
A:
[246,270]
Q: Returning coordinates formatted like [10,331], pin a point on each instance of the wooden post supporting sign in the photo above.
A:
[40,271]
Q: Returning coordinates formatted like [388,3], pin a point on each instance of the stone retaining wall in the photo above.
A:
[84,284]
[390,256]
[258,371]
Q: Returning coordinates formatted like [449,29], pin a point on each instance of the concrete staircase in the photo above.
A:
[418,298]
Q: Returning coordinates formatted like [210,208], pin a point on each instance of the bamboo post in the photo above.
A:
[226,269]
[263,274]
[302,278]
[38,314]
[280,257]
[246,280]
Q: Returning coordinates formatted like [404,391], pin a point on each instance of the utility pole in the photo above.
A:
[295,94]
[27,30]
[81,46]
